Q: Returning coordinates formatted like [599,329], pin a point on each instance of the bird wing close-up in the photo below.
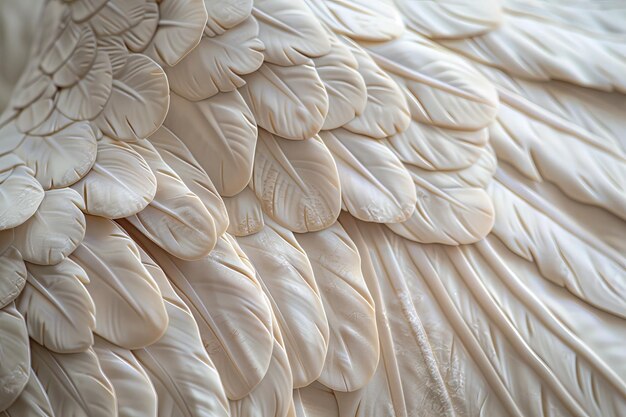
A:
[312,208]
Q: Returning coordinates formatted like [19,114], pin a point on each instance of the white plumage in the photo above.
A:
[312,208]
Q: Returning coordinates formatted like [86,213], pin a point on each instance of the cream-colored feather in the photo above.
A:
[32,402]
[134,393]
[245,213]
[290,32]
[55,230]
[129,307]
[218,63]
[59,312]
[290,101]
[14,355]
[353,343]
[175,219]
[286,277]
[296,182]
[74,383]
[119,184]
[221,134]
[227,302]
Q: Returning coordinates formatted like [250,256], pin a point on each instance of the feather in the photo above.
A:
[59,312]
[296,182]
[227,302]
[61,159]
[221,134]
[140,80]
[12,269]
[74,383]
[32,402]
[374,184]
[35,114]
[179,30]
[79,62]
[129,307]
[20,192]
[438,149]
[286,277]
[218,63]
[175,219]
[31,86]
[62,47]
[449,210]
[347,93]
[550,51]
[316,400]
[177,156]
[272,397]
[88,97]
[117,16]
[14,355]
[386,112]
[360,19]
[451,18]
[225,14]
[120,182]
[245,213]
[55,230]
[583,155]
[117,52]
[184,377]
[290,32]
[423,366]
[134,393]
[290,102]
[441,88]
[139,35]
[563,250]
[353,346]
[84,9]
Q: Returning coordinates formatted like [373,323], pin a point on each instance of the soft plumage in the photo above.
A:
[313,208]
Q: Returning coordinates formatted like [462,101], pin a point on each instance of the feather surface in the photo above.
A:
[175,219]
[232,314]
[221,134]
[74,383]
[12,269]
[129,307]
[179,30]
[218,63]
[225,14]
[14,355]
[289,101]
[140,80]
[134,393]
[61,159]
[185,379]
[245,213]
[286,276]
[353,346]
[360,19]
[290,32]
[120,182]
[55,230]
[59,312]
[32,402]
[296,182]
[374,184]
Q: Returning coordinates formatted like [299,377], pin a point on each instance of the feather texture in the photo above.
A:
[74,383]
[14,355]
[59,312]
[55,230]
[287,279]
[129,307]
[221,134]
[296,182]
[353,343]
